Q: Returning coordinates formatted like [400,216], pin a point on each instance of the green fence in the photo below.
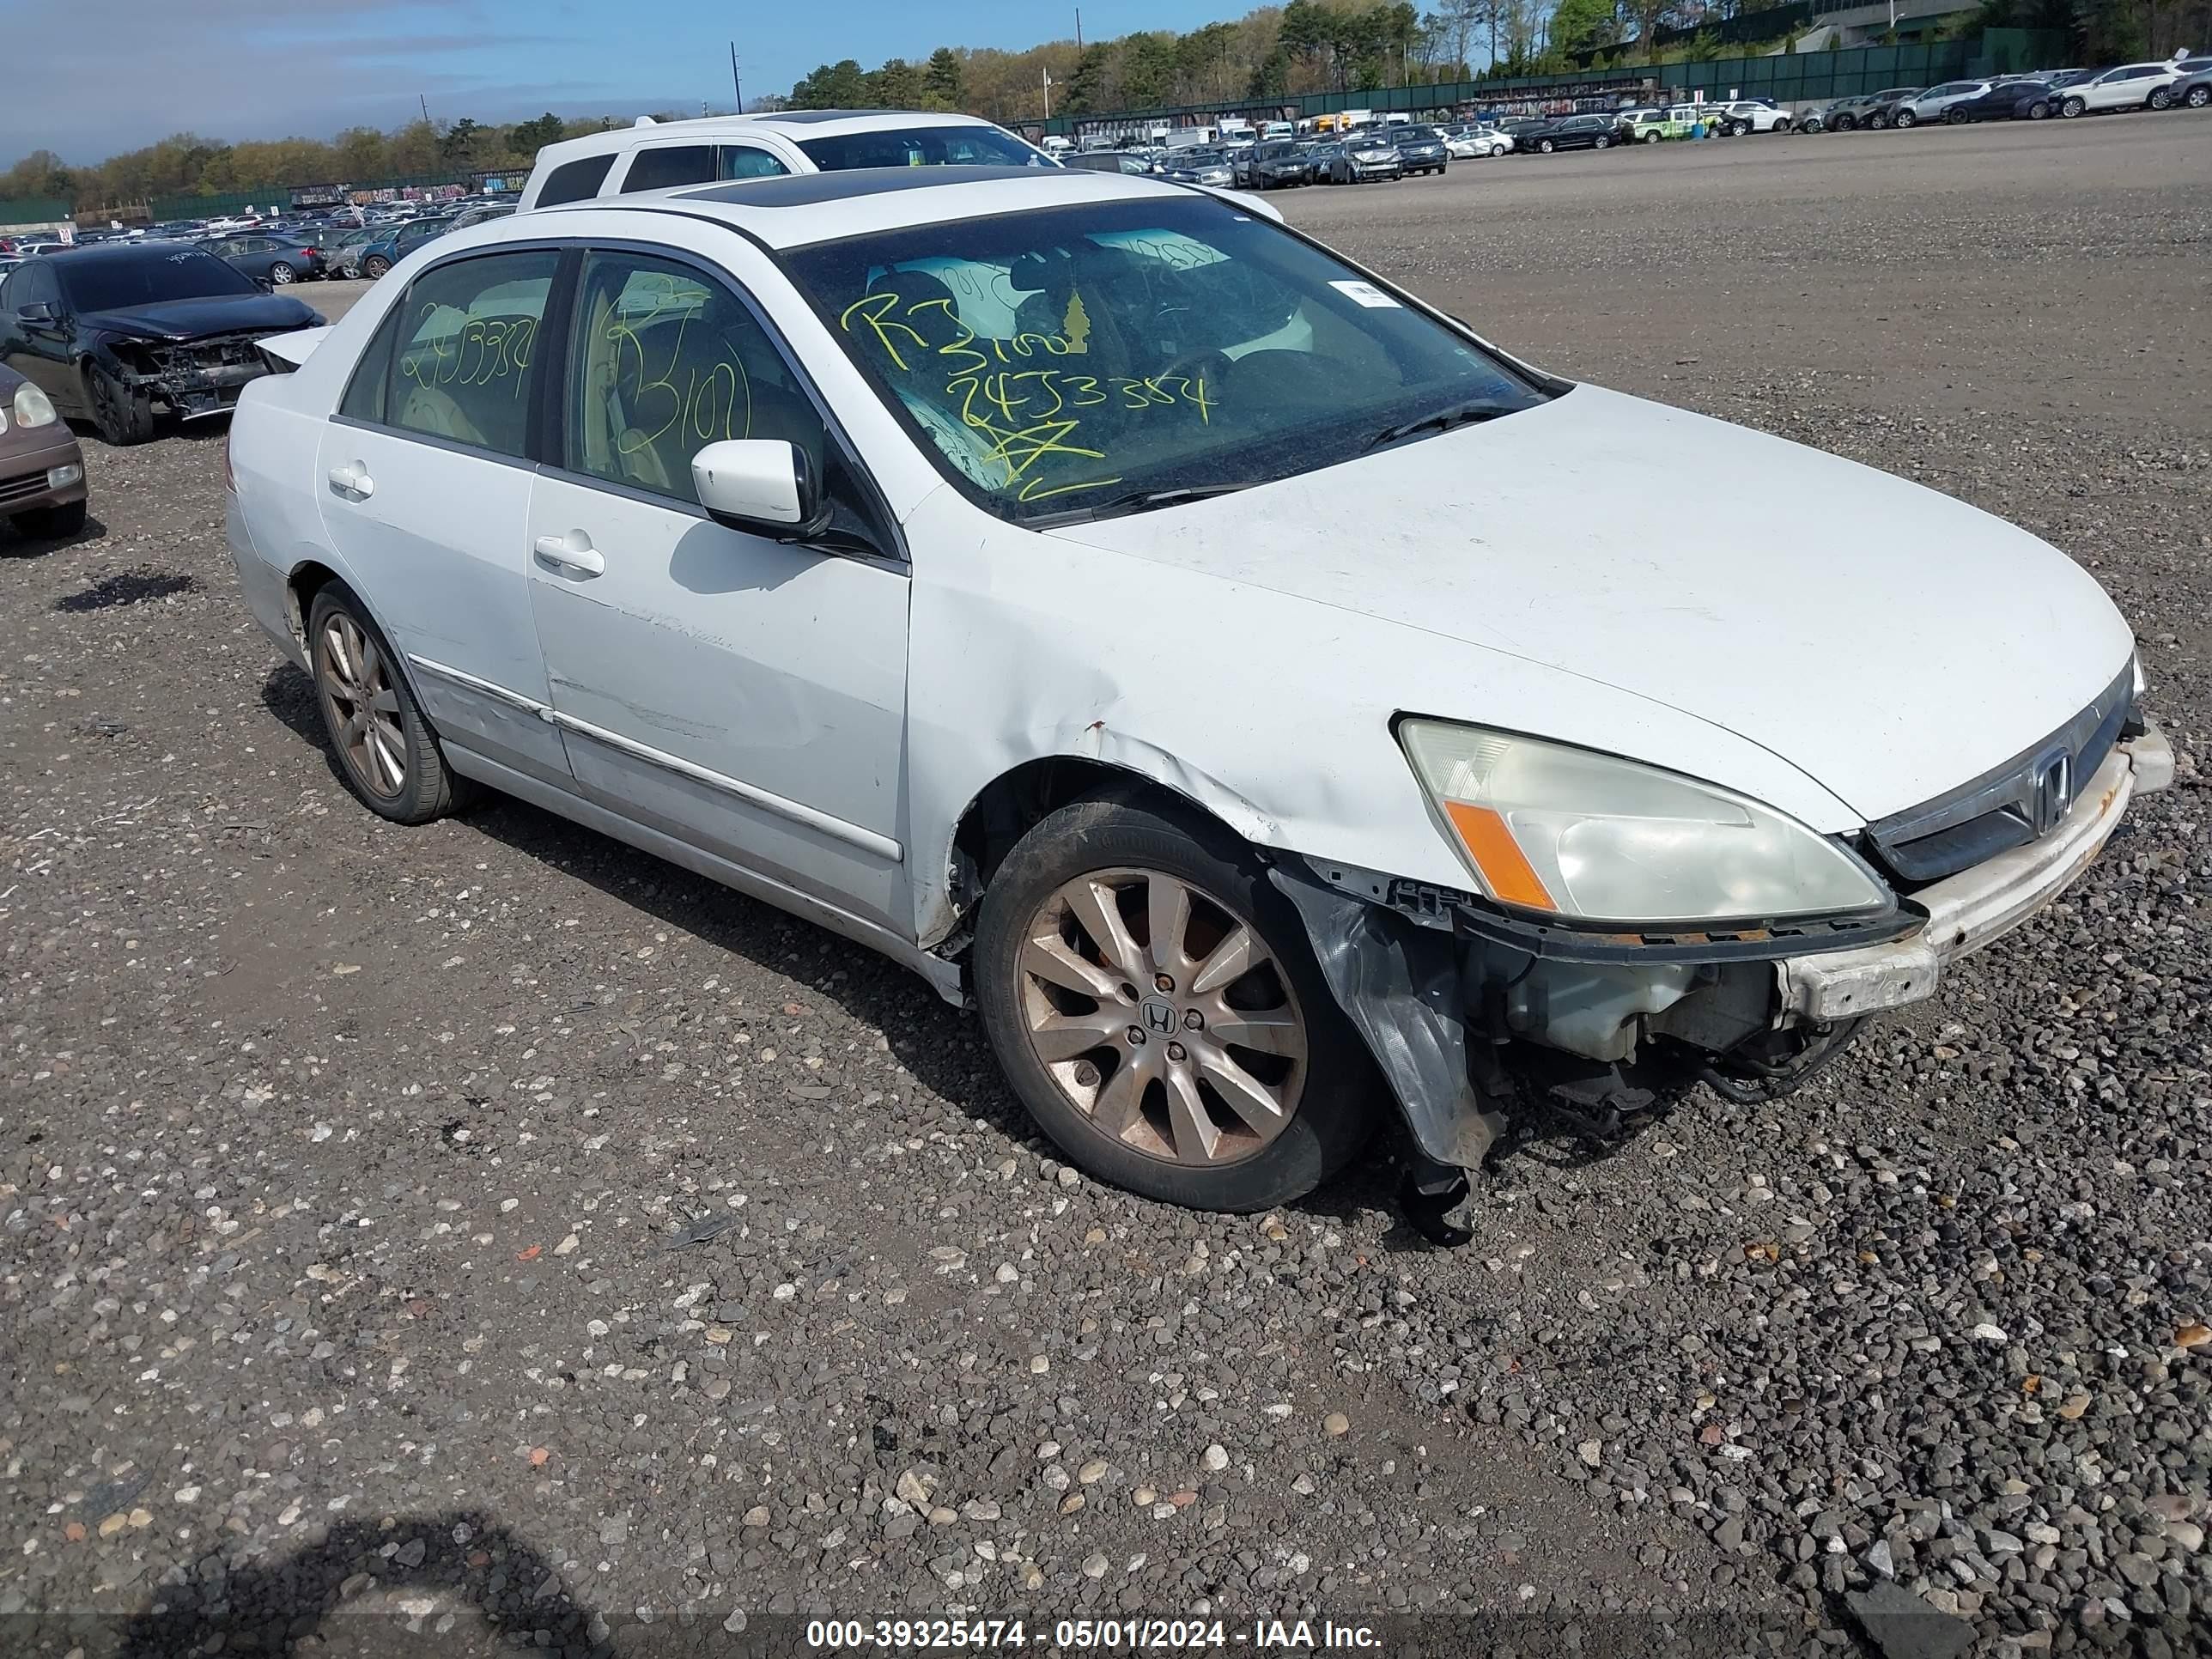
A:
[34,210]
[1786,77]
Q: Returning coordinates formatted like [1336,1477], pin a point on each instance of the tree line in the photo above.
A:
[186,164]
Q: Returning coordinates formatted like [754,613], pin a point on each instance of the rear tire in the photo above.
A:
[2198,97]
[52,523]
[386,749]
[374,266]
[1114,857]
[282,274]
[2162,97]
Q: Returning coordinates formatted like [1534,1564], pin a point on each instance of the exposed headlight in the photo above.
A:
[32,407]
[1571,833]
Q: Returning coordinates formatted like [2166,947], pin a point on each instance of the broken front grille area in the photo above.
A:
[2009,806]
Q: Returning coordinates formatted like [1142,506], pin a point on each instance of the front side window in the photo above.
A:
[1087,357]
[663,363]
[919,146]
[466,339]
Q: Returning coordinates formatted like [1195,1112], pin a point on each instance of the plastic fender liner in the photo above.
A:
[1400,983]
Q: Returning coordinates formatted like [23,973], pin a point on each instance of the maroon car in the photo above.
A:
[41,468]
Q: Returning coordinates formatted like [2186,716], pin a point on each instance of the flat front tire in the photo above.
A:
[385,749]
[1154,1003]
[123,416]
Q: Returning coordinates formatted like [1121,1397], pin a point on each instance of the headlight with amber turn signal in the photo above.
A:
[1588,837]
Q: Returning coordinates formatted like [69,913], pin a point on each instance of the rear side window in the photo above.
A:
[364,393]
[744,161]
[465,345]
[666,167]
[575,181]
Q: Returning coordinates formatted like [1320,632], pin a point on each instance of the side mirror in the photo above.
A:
[764,485]
[37,312]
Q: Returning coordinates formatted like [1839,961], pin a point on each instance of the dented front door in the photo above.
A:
[743,695]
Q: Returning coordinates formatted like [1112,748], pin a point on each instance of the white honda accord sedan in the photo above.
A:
[1265,702]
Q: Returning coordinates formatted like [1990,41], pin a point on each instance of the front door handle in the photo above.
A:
[572,552]
[354,479]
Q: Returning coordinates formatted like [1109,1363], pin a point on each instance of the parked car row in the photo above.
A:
[2180,83]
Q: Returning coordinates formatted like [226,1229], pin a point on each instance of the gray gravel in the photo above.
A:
[487,1226]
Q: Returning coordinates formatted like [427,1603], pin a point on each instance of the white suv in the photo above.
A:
[2131,86]
[1930,105]
[1752,115]
[722,149]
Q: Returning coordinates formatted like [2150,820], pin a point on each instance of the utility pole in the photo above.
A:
[425,97]
[736,85]
[1048,95]
[1078,31]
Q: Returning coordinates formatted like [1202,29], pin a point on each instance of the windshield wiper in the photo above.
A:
[1140,501]
[1444,419]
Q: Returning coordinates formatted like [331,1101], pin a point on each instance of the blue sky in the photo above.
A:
[91,77]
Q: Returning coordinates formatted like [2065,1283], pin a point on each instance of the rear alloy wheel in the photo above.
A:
[1154,1001]
[374,266]
[282,274]
[2160,98]
[385,747]
[122,417]
[2072,107]
[2198,97]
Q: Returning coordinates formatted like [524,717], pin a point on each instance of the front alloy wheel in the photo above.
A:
[2072,107]
[1155,1003]
[1904,118]
[1163,1016]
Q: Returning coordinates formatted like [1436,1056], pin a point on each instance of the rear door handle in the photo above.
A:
[354,479]
[572,552]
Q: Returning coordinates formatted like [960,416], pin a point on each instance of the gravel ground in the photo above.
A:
[490,1227]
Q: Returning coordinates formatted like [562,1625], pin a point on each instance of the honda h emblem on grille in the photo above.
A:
[2054,793]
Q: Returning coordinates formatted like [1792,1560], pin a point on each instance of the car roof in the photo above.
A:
[798,210]
[797,124]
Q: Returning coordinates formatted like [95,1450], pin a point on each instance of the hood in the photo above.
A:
[192,319]
[1887,641]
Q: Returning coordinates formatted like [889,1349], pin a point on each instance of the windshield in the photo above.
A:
[148,278]
[1077,357]
[920,147]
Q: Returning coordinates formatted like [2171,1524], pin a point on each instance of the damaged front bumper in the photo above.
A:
[196,377]
[1438,981]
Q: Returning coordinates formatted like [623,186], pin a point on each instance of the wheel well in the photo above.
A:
[300,588]
[1016,801]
